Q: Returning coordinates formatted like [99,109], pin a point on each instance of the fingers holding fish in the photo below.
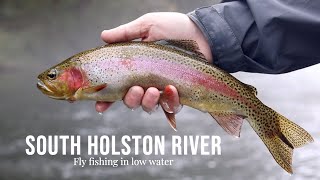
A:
[133,97]
[150,99]
[168,99]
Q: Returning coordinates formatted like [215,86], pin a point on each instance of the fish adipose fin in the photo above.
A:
[229,121]
[190,47]
[251,88]
[282,138]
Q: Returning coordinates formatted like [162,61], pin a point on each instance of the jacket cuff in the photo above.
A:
[225,47]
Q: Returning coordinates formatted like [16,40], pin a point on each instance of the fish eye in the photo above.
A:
[52,74]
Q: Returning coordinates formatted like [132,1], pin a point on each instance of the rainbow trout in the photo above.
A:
[106,73]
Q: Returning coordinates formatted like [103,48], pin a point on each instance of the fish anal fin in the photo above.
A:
[229,121]
[189,46]
[93,89]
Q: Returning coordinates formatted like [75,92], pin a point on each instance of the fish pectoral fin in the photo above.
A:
[169,102]
[171,119]
[93,89]
[229,121]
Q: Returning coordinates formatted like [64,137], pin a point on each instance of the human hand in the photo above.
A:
[153,27]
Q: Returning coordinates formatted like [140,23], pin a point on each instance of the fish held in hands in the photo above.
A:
[106,73]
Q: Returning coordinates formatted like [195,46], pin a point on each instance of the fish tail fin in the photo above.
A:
[295,134]
[281,136]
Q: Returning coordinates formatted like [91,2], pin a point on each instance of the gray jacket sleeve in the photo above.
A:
[262,36]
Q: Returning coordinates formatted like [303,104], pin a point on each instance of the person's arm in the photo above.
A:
[253,36]
[262,36]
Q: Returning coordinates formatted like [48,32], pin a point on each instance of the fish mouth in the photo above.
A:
[46,90]
[43,88]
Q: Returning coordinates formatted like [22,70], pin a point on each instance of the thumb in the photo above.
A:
[127,32]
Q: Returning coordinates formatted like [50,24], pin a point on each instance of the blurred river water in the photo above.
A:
[36,36]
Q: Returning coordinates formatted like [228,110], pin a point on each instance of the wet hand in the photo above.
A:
[153,27]
[158,26]
[149,100]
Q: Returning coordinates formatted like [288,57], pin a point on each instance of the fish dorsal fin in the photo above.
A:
[188,46]
[251,88]
[229,121]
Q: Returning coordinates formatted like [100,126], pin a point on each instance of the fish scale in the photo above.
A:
[106,73]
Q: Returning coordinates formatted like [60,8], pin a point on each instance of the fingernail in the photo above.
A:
[149,111]
[103,32]
[154,109]
[134,108]
[157,107]
[178,108]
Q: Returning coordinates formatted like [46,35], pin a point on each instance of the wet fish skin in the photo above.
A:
[106,73]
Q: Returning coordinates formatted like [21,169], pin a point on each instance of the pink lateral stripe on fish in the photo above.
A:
[184,74]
